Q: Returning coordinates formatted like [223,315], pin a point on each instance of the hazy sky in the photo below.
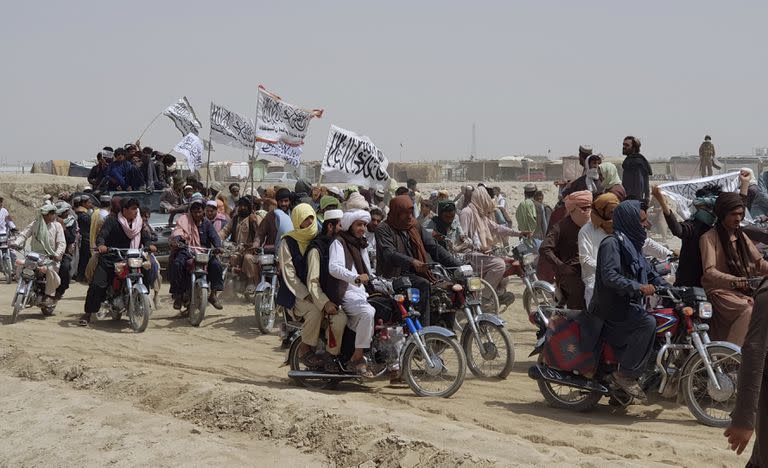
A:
[532,75]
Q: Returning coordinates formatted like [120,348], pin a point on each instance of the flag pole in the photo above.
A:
[253,150]
[208,164]
[147,127]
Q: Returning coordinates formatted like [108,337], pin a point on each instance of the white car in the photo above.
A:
[283,179]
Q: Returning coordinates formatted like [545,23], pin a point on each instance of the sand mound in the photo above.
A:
[24,193]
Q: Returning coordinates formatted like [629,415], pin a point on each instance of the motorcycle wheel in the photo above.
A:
[8,269]
[446,377]
[295,363]
[139,313]
[489,299]
[565,397]
[497,355]
[702,399]
[18,304]
[539,296]
[197,313]
[264,310]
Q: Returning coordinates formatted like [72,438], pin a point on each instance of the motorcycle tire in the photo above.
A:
[8,270]
[139,311]
[497,357]
[576,400]
[18,304]
[535,298]
[264,309]
[197,313]
[695,385]
[415,368]
[296,365]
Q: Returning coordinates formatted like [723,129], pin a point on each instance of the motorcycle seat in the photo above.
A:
[570,314]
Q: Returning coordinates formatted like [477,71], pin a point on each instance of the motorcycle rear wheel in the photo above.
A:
[197,313]
[696,387]
[498,349]
[264,310]
[441,349]
[575,399]
[296,365]
[139,313]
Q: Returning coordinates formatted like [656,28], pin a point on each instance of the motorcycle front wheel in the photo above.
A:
[536,298]
[8,269]
[18,304]
[446,375]
[197,311]
[264,310]
[708,405]
[496,354]
[140,310]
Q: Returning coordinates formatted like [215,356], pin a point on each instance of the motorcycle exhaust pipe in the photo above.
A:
[320,375]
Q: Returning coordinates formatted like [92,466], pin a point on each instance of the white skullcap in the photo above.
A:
[350,217]
[330,215]
[211,203]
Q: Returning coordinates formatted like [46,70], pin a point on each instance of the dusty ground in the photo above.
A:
[218,394]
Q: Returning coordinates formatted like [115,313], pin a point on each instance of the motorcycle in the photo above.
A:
[128,293]
[536,292]
[6,266]
[30,291]
[485,341]
[488,295]
[687,364]
[428,358]
[266,290]
[196,298]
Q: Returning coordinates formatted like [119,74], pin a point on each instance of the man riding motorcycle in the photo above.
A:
[123,231]
[193,229]
[46,237]
[68,222]
[403,248]
[616,312]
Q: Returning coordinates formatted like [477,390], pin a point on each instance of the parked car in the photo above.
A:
[282,179]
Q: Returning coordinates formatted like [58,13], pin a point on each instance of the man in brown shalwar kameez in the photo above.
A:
[729,259]
[751,411]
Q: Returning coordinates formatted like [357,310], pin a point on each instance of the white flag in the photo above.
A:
[279,121]
[231,129]
[354,159]
[287,153]
[191,146]
[183,116]
[683,193]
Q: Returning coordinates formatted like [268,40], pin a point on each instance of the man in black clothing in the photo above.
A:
[636,170]
[69,222]
[114,234]
[100,169]
[83,209]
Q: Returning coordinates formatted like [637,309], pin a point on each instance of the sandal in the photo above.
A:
[361,369]
[312,359]
[84,321]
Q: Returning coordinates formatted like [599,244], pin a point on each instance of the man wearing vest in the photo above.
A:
[324,295]
[293,293]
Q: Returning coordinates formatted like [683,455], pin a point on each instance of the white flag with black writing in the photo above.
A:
[191,146]
[279,121]
[231,129]
[183,116]
[684,192]
[354,159]
[283,151]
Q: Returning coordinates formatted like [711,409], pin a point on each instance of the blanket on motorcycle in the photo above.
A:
[562,349]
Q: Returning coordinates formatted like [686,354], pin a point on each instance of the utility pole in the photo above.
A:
[473,152]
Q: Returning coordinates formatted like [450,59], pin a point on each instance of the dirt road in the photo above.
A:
[218,394]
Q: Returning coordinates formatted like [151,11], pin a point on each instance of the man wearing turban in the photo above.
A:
[561,248]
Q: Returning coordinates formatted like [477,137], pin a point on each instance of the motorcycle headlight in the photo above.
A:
[474,284]
[201,257]
[135,262]
[119,267]
[464,271]
[414,295]
[705,310]
[28,272]
[266,259]
[529,258]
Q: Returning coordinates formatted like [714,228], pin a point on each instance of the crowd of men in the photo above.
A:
[330,242]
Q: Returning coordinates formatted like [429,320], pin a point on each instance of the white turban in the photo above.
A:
[350,217]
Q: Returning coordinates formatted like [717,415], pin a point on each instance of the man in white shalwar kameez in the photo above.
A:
[349,263]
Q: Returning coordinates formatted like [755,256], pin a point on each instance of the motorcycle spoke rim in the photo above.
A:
[420,372]
[720,410]
[494,362]
[570,395]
